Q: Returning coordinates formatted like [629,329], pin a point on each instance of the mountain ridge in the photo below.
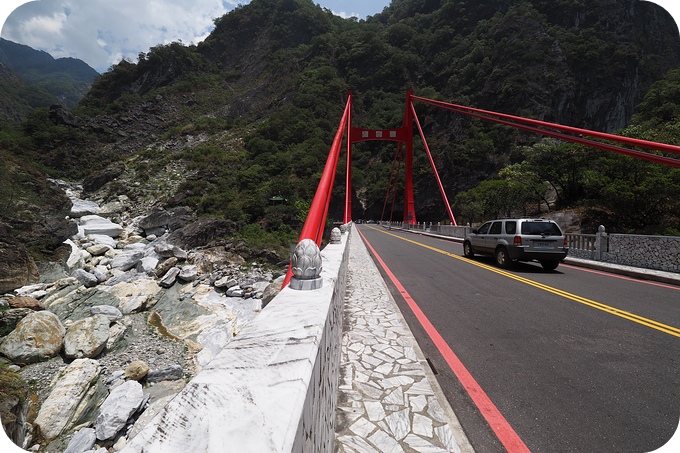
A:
[67,79]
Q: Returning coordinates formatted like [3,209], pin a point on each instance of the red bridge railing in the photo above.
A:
[318,212]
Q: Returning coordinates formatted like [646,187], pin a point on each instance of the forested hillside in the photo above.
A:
[18,97]
[67,80]
[248,115]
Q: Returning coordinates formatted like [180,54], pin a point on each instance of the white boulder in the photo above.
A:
[94,224]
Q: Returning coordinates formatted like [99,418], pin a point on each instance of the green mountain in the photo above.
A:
[248,115]
[18,97]
[66,79]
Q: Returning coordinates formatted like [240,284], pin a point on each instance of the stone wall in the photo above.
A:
[273,388]
[649,252]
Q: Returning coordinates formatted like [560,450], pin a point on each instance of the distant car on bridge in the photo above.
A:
[510,240]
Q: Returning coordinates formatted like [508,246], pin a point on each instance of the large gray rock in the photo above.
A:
[87,337]
[82,441]
[68,397]
[88,279]
[147,265]
[101,273]
[59,114]
[169,278]
[154,220]
[127,260]
[110,312]
[114,413]
[94,224]
[165,266]
[202,232]
[38,336]
[226,282]
[10,318]
[270,292]
[160,395]
[98,249]
[134,295]
[103,239]
[82,208]
[188,273]
[166,250]
[172,373]
[70,301]
[235,291]
[17,268]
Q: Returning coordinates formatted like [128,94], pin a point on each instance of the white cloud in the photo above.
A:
[101,32]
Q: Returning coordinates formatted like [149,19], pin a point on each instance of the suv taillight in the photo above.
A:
[565,242]
[517,240]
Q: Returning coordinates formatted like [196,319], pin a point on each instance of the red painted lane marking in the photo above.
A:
[507,436]
[630,279]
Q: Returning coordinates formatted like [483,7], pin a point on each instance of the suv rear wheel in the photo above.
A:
[467,250]
[502,258]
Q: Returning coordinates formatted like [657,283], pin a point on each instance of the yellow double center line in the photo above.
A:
[665,328]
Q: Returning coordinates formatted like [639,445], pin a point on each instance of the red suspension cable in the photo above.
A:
[583,141]
[574,130]
[434,168]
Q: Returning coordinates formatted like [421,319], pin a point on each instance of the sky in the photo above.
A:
[102,32]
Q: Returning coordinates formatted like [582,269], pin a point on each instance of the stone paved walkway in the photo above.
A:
[388,399]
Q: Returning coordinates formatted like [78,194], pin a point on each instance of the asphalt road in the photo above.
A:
[573,360]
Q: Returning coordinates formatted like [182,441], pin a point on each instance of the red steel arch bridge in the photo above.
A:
[314,224]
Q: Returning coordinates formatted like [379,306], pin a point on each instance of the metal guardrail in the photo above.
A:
[436,228]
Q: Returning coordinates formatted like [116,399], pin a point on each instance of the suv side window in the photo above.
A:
[496,228]
[510,227]
[484,228]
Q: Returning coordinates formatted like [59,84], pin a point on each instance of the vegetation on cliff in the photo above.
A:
[66,80]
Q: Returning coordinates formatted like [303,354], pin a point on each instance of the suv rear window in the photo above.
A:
[547,228]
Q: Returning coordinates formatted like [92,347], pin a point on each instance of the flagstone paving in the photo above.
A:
[388,399]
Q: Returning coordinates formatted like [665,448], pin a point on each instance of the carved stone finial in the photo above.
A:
[336,236]
[600,229]
[306,266]
[344,227]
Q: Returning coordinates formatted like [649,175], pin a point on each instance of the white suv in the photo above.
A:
[509,240]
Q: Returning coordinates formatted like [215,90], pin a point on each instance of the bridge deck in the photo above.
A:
[388,398]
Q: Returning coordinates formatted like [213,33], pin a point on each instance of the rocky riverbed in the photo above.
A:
[113,331]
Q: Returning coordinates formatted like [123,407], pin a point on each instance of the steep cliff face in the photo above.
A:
[630,44]
[585,64]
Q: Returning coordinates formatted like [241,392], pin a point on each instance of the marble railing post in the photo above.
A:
[600,242]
